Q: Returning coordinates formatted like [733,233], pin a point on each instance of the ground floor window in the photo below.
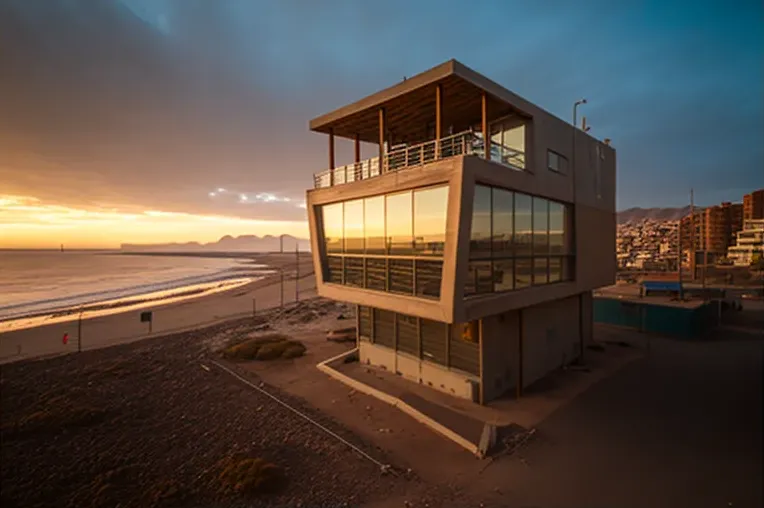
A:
[453,346]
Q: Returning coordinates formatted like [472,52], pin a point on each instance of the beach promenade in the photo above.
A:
[102,331]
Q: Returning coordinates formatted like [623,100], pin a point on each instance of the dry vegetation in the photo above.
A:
[265,347]
[145,425]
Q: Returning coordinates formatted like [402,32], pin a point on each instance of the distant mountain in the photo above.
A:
[244,243]
[661,214]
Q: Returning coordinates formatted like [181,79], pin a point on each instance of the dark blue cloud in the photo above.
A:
[229,85]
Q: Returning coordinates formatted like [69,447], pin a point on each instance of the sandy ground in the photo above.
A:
[114,329]
[679,426]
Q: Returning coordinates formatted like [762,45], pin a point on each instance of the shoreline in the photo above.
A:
[42,337]
[126,304]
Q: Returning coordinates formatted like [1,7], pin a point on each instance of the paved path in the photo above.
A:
[682,427]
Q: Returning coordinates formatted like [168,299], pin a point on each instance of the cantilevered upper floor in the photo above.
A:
[437,226]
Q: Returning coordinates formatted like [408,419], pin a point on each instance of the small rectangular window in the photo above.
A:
[556,162]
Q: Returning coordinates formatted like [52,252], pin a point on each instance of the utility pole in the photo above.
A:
[282,288]
[692,237]
[79,332]
[679,259]
[297,272]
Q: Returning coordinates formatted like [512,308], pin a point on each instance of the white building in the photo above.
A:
[750,243]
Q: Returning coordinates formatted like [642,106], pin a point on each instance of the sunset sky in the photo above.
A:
[180,120]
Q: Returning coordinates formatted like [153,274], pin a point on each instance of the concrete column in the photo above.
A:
[438,107]
[382,128]
[486,136]
[331,155]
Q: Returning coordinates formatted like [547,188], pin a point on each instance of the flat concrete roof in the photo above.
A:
[360,117]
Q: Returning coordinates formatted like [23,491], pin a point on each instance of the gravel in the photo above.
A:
[147,424]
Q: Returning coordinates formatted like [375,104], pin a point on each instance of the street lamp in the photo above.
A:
[573,175]
[575,107]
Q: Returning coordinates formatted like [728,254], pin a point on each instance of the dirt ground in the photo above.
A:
[146,424]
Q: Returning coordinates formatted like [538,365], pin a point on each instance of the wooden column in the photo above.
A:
[382,128]
[357,148]
[331,156]
[486,136]
[438,107]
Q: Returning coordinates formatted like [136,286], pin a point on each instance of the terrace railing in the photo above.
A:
[463,143]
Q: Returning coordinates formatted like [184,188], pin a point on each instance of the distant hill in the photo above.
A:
[244,243]
[661,214]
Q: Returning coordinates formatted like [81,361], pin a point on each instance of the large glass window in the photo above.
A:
[480,236]
[353,226]
[502,220]
[430,207]
[530,242]
[508,142]
[374,224]
[556,228]
[540,226]
[523,225]
[332,222]
[399,223]
[392,242]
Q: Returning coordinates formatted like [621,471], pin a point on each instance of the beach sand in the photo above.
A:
[101,331]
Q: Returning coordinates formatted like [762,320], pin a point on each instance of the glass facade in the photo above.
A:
[517,241]
[452,346]
[390,243]
[508,142]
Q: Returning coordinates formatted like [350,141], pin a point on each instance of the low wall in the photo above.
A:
[681,322]
[453,382]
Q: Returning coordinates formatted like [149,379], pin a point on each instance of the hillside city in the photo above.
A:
[724,234]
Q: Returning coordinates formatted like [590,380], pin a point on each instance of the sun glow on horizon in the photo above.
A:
[29,223]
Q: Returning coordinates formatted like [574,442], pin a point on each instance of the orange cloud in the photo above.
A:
[29,223]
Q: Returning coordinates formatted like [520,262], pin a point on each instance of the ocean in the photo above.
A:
[38,282]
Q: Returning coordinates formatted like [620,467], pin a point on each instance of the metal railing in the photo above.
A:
[463,143]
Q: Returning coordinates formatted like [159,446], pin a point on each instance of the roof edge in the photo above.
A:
[425,78]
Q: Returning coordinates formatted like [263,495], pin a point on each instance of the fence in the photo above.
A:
[96,330]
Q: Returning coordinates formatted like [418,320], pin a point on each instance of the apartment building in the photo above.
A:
[472,241]
[712,230]
[749,247]
[753,205]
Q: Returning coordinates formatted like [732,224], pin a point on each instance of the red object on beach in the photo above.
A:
[66,338]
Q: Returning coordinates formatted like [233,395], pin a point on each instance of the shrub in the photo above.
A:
[294,350]
[249,476]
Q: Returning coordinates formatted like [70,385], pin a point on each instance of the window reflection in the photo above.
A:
[556,228]
[332,222]
[391,242]
[502,222]
[374,224]
[480,236]
[530,242]
[523,225]
[430,206]
[540,226]
[353,226]
[399,223]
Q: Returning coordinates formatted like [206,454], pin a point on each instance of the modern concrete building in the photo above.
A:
[749,247]
[472,269]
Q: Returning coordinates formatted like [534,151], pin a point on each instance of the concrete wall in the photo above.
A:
[453,382]
[550,337]
[500,350]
